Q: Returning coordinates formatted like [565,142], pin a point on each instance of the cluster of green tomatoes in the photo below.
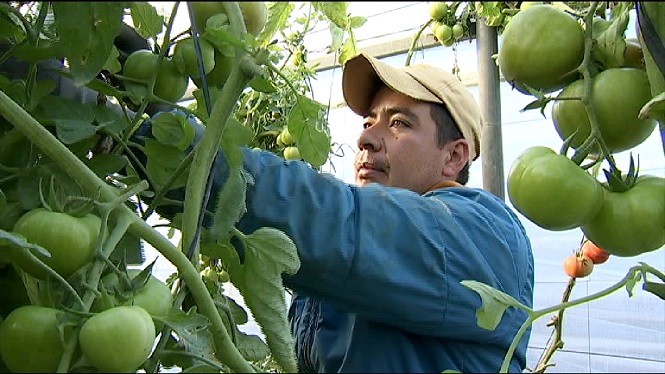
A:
[444,24]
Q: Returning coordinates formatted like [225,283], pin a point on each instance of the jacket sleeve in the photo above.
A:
[390,254]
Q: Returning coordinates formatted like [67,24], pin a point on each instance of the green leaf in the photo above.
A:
[129,250]
[655,108]
[73,120]
[193,332]
[251,347]
[494,304]
[112,64]
[8,27]
[261,84]
[231,205]
[278,15]
[357,21]
[31,54]
[335,11]
[3,201]
[40,89]
[87,31]
[655,288]
[109,120]
[96,84]
[236,134]
[163,160]
[223,39]
[632,282]
[348,50]
[268,254]
[303,124]
[106,164]
[147,22]
[173,129]
[18,240]
[337,36]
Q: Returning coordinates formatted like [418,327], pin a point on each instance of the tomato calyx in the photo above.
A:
[58,200]
[616,182]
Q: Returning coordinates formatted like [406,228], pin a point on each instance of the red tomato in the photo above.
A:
[594,252]
[577,266]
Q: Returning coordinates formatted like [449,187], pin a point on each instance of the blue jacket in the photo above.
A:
[379,288]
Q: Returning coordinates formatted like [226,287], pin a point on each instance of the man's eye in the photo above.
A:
[398,123]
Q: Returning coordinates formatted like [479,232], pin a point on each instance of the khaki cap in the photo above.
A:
[363,74]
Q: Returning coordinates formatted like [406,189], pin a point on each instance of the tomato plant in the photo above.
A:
[594,252]
[170,84]
[630,222]
[617,95]
[541,47]
[119,339]
[577,266]
[551,190]
[104,149]
[30,341]
[70,240]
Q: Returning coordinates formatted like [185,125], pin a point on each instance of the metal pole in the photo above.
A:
[490,105]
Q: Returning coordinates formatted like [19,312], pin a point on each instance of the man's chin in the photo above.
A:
[363,181]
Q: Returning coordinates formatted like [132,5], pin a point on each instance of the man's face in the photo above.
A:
[398,145]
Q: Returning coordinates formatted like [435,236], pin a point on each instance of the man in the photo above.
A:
[379,287]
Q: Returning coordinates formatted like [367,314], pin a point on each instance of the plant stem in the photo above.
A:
[557,342]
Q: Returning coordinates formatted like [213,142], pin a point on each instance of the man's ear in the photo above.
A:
[457,156]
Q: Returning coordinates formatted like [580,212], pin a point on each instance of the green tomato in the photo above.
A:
[184,56]
[617,95]
[170,84]
[30,341]
[70,240]
[458,31]
[220,73]
[443,33]
[255,14]
[285,137]
[118,340]
[154,295]
[292,153]
[541,47]
[223,276]
[552,191]
[438,10]
[209,274]
[632,222]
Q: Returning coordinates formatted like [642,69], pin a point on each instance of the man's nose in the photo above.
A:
[369,139]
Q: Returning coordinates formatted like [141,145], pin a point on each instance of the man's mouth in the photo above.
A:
[367,169]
